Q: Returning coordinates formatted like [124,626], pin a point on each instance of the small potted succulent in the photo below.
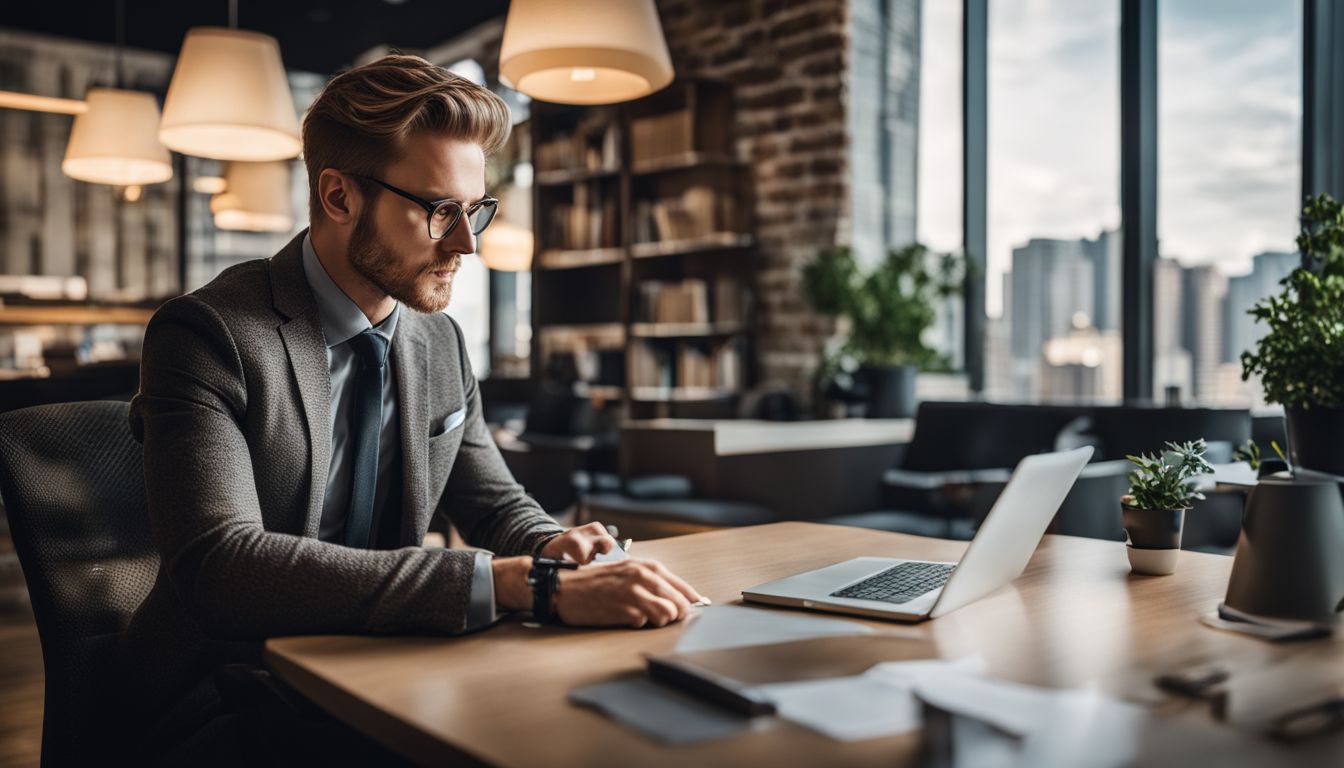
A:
[1161,489]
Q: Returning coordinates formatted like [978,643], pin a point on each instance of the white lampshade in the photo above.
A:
[115,141]
[229,98]
[506,247]
[256,198]
[584,51]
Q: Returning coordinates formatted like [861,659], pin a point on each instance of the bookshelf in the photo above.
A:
[645,250]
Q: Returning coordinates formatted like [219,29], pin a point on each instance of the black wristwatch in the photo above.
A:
[544,578]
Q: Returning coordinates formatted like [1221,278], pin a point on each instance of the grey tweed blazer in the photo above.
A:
[234,414]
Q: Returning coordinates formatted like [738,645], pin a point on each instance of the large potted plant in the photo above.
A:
[1300,360]
[885,312]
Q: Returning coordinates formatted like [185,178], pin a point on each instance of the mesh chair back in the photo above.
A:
[72,482]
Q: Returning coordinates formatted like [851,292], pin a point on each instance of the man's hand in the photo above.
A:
[581,543]
[632,593]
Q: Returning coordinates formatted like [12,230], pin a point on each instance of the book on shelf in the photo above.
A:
[693,301]
[589,221]
[732,298]
[688,365]
[593,145]
[660,135]
[697,210]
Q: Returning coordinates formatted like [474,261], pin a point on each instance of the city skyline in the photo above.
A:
[1229,128]
[1061,328]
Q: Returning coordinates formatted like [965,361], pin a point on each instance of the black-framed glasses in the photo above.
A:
[445,214]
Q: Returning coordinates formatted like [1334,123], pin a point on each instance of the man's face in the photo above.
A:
[390,245]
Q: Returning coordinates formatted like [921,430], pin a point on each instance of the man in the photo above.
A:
[300,428]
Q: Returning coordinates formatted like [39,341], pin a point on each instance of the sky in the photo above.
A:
[1229,127]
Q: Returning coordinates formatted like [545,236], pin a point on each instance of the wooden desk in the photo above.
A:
[1076,618]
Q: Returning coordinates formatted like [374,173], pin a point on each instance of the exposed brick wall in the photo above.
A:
[787,62]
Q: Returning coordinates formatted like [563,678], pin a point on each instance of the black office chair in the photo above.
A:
[72,480]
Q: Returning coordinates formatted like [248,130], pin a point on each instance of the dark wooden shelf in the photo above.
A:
[673,146]
[563,176]
[573,259]
[38,314]
[715,241]
[685,330]
[683,161]
[614,332]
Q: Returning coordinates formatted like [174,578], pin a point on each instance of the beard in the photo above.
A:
[410,285]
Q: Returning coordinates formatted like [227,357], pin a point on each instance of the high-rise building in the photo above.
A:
[1171,361]
[1241,331]
[1052,294]
[1203,289]
[1105,255]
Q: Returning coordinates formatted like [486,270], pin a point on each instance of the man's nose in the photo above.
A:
[460,240]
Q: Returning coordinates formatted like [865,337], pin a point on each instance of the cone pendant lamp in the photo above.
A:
[229,98]
[115,140]
[255,198]
[506,247]
[584,51]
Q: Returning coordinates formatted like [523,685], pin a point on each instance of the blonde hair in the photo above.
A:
[360,118]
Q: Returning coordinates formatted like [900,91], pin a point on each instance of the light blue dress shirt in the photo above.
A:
[342,320]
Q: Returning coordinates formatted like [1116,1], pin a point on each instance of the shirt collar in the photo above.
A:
[342,319]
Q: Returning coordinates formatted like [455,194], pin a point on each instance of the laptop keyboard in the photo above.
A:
[900,583]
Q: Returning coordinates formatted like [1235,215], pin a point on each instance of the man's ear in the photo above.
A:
[339,195]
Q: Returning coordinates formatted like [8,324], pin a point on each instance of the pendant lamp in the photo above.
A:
[229,98]
[114,141]
[584,51]
[255,199]
[506,247]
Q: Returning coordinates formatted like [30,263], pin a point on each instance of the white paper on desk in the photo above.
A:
[735,626]
[1057,727]
[880,702]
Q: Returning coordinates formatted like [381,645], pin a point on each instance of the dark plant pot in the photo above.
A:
[1316,438]
[891,391]
[1153,537]
[1288,562]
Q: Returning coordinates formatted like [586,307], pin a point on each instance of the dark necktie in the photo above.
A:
[366,425]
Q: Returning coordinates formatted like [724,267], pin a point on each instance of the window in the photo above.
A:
[1229,170]
[939,203]
[1053,259]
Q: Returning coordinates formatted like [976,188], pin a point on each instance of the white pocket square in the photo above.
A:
[452,421]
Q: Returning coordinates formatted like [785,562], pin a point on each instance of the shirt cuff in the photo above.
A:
[481,609]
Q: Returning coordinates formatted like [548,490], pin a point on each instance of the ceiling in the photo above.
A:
[315,35]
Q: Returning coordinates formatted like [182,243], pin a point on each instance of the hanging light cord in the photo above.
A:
[233,14]
[121,42]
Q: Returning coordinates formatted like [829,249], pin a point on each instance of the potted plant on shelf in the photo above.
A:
[1161,489]
[1300,360]
[885,313]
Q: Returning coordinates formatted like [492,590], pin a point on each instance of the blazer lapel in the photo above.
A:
[410,360]
[306,347]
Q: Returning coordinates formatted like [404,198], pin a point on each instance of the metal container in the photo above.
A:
[1290,556]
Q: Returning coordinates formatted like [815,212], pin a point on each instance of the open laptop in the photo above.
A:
[914,590]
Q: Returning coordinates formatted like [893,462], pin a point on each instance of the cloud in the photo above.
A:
[1229,126]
